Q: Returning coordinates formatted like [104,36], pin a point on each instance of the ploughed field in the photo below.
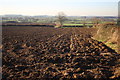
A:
[44,52]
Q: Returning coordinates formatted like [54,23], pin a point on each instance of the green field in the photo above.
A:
[77,24]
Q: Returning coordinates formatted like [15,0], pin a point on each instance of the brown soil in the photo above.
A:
[42,53]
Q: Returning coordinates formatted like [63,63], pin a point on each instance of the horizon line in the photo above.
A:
[53,15]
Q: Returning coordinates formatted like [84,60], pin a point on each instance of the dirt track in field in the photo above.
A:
[41,53]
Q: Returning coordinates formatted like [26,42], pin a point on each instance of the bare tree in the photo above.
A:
[61,17]
[84,22]
[96,21]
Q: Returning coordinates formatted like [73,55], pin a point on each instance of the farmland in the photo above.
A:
[45,19]
[47,52]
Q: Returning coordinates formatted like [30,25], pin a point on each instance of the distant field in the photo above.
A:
[77,24]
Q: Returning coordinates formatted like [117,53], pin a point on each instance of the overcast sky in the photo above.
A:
[52,7]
